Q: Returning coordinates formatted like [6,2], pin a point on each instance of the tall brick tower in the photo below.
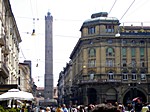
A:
[48,91]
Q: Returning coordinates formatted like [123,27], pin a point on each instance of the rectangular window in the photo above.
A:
[124,63]
[109,62]
[125,76]
[142,63]
[141,52]
[124,52]
[92,63]
[133,52]
[133,63]
[133,76]
[109,28]
[143,77]
[91,30]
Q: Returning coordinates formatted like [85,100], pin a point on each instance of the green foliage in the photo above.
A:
[2,109]
[12,110]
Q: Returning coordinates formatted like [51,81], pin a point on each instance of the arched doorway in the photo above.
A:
[92,96]
[133,93]
[111,95]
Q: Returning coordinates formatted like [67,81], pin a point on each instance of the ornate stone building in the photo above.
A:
[9,45]
[110,62]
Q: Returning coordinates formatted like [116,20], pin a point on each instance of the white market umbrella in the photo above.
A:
[16,94]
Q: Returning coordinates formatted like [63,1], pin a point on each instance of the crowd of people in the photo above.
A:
[135,106]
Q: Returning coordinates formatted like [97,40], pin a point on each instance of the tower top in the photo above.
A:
[48,14]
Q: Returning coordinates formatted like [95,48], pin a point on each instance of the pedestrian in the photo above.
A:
[145,108]
[59,109]
[42,109]
[138,105]
[64,108]
[48,109]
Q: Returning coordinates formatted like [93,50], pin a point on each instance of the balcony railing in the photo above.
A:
[135,33]
[97,79]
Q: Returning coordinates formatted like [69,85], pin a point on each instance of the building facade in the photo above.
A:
[110,62]
[24,80]
[10,75]
[9,45]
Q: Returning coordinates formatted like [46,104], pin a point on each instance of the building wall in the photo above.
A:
[9,48]
[110,73]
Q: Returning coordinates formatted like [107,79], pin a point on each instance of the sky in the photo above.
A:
[68,17]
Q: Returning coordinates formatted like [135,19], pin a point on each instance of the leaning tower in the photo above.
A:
[48,92]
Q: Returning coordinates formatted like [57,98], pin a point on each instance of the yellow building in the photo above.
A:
[110,62]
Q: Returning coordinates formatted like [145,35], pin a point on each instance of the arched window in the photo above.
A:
[142,42]
[92,52]
[110,51]
[110,75]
